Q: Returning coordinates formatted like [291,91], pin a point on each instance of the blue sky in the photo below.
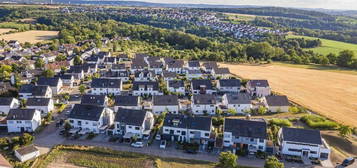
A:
[327,4]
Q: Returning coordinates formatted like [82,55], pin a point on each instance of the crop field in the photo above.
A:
[32,36]
[329,46]
[240,17]
[331,94]
[2,31]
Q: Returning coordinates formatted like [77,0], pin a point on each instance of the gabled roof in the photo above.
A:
[302,135]
[175,63]
[26,150]
[258,83]
[40,90]
[168,74]
[204,99]
[277,100]
[196,84]
[119,66]
[115,74]
[93,100]
[176,83]
[210,65]
[105,83]
[130,116]
[126,100]
[188,122]
[21,114]
[6,101]
[165,100]
[48,81]
[229,83]
[246,128]
[38,101]
[241,98]
[86,112]
[27,88]
[137,84]
[139,64]
[4,163]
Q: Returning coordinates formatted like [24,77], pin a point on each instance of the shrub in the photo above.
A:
[227,160]
[280,122]
[317,122]
[91,135]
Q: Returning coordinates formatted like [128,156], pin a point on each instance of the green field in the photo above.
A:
[14,25]
[329,46]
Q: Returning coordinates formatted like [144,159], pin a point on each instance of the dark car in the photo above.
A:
[191,151]
[348,161]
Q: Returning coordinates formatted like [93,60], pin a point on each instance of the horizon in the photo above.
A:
[311,4]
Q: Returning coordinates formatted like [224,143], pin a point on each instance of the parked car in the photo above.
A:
[191,151]
[158,137]
[348,161]
[146,137]
[163,144]
[137,144]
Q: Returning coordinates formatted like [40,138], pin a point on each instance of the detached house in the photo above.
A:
[127,102]
[32,91]
[7,103]
[146,88]
[276,103]
[176,86]
[102,86]
[173,65]
[187,129]
[258,88]
[249,135]
[304,143]
[203,104]
[229,85]
[165,103]
[98,100]
[27,153]
[239,102]
[54,83]
[145,75]
[193,65]
[130,123]
[167,75]
[222,73]
[68,80]
[23,120]
[77,71]
[91,118]
[202,86]
[44,105]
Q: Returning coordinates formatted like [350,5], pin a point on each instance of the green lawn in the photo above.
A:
[329,46]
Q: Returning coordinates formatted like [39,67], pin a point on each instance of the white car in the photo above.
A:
[158,137]
[137,144]
[163,144]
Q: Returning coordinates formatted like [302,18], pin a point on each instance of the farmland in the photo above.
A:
[329,46]
[330,94]
[2,31]
[32,36]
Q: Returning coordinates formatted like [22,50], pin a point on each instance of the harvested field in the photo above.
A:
[2,31]
[32,36]
[330,94]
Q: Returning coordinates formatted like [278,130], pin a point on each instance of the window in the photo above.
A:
[260,147]
[71,121]
[206,134]
[183,133]
[261,140]
[130,126]
[251,139]
[137,128]
[313,152]
[19,122]
[294,150]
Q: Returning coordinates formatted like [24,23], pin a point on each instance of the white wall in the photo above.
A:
[160,109]
[28,125]
[27,156]
[199,109]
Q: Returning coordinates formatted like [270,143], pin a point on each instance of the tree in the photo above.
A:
[26,139]
[77,60]
[39,63]
[232,111]
[273,162]
[48,73]
[262,110]
[82,89]
[345,58]
[332,57]
[227,160]
[345,131]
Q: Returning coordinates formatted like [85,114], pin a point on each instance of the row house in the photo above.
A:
[258,88]
[276,103]
[304,143]
[101,86]
[119,67]
[155,64]
[249,135]
[194,74]
[193,65]
[44,105]
[241,102]
[173,65]
[133,123]
[176,86]
[146,88]
[165,103]
[221,73]
[202,86]
[23,120]
[97,100]
[138,65]
[122,75]
[32,91]
[68,80]
[209,66]
[144,75]
[229,85]
[54,83]
[127,102]
[203,104]
[7,103]
[189,129]
[91,118]
[167,75]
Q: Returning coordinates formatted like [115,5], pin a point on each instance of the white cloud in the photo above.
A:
[327,4]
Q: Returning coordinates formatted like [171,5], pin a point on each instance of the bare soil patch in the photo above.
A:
[330,94]
[2,31]
[32,36]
